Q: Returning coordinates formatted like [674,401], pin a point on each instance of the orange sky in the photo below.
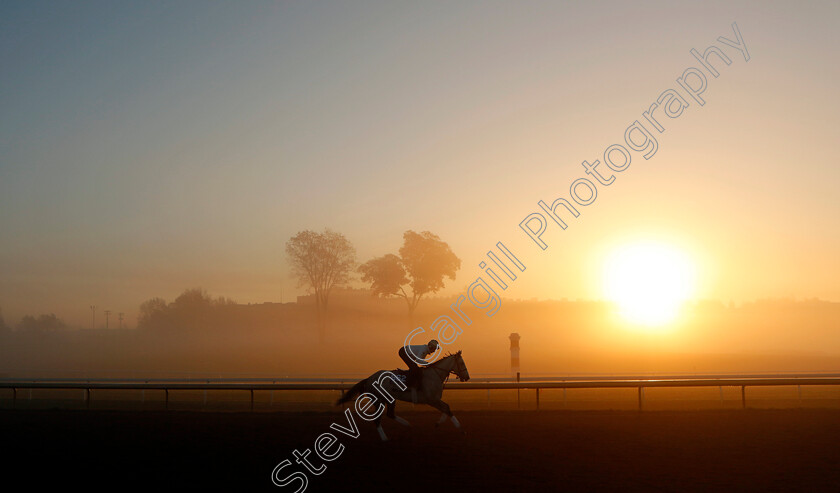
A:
[150,149]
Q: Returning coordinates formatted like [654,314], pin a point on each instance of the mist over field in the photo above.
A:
[364,333]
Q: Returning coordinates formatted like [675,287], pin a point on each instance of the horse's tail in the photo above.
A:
[353,392]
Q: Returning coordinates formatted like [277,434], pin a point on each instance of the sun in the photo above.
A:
[648,281]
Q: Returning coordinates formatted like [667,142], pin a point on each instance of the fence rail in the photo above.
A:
[482,379]
[536,385]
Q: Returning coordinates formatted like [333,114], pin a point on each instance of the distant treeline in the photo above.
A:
[42,323]
[194,309]
[200,333]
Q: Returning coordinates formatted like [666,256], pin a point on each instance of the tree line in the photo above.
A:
[194,309]
[322,261]
[29,323]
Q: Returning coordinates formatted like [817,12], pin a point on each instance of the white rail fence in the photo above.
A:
[314,384]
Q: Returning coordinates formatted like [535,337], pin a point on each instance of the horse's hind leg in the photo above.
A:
[456,423]
[392,415]
[378,422]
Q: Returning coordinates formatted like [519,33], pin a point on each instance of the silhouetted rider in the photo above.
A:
[420,351]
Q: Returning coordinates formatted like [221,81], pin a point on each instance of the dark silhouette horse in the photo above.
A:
[433,377]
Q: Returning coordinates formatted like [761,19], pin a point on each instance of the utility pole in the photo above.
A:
[121,319]
[93,320]
[107,316]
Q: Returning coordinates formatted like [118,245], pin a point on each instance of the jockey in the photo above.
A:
[419,351]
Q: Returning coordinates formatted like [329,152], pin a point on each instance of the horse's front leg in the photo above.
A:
[447,413]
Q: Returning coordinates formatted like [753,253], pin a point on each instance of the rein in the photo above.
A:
[451,371]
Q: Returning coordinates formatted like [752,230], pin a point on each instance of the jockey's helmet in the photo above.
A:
[433,345]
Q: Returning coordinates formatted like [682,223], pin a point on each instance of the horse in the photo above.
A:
[433,376]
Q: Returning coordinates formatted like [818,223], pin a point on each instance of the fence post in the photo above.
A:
[518,402]
[252,400]
[641,396]
[166,405]
[743,396]
[538,398]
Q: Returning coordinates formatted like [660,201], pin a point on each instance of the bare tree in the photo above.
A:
[423,263]
[321,261]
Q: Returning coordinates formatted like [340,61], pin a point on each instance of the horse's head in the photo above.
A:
[461,368]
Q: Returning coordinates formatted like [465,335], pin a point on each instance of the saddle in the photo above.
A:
[402,375]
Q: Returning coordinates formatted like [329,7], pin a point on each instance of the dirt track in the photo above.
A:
[752,450]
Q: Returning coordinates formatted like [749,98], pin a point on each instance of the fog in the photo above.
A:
[363,334]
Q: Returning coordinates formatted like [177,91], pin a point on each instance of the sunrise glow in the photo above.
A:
[648,281]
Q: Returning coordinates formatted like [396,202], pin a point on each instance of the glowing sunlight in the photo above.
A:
[648,281]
